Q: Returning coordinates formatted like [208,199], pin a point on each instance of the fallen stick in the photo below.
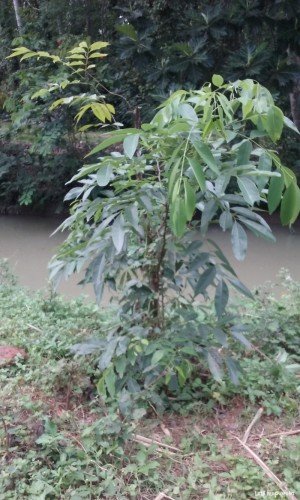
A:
[143,439]
[161,496]
[268,471]
[278,434]
[252,423]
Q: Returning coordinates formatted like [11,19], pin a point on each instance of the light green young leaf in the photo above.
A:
[217,80]
[290,205]
[104,175]
[98,45]
[274,123]
[118,233]
[113,138]
[188,112]
[288,123]
[130,145]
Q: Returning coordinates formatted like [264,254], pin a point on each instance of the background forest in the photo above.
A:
[156,47]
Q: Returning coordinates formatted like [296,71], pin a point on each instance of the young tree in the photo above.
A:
[140,217]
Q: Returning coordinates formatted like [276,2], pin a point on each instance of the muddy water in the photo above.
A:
[26,243]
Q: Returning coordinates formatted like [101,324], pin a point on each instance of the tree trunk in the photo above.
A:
[295,94]
[17,15]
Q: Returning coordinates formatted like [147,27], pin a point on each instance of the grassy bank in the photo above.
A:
[59,440]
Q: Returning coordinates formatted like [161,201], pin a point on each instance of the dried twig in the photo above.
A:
[252,423]
[267,471]
[278,434]
[161,496]
[145,440]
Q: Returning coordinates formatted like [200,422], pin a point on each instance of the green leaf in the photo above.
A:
[290,205]
[127,30]
[113,138]
[275,192]
[258,229]
[158,356]
[198,172]
[241,287]
[248,189]
[243,153]
[205,153]
[110,381]
[249,214]
[18,52]
[178,217]
[98,111]
[214,367]
[288,123]
[221,298]
[189,200]
[104,175]
[188,112]
[98,45]
[239,241]
[206,279]
[233,369]
[118,233]
[217,80]
[237,334]
[225,220]
[274,123]
[130,145]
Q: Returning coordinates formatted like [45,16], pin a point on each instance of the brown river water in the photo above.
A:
[25,241]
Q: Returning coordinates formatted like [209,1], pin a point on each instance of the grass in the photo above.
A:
[58,440]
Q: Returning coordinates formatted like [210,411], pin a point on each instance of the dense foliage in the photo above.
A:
[156,47]
[135,223]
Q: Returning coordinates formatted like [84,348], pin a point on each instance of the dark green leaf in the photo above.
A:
[233,369]
[239,241]
[258,229]
[189,200]
[275,193]
[237,334]
[205,153]
[221,298]
[243,153]
[240,287]
[206,279]
[225,220]
[215,367]
[198,172]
